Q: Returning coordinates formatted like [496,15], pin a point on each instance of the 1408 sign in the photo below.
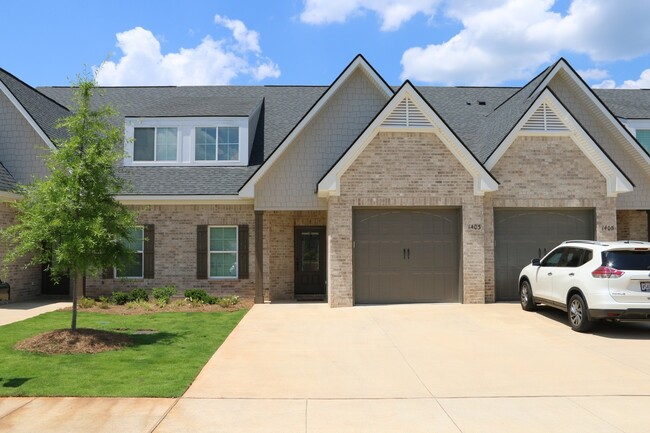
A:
[607,228]
[474,227]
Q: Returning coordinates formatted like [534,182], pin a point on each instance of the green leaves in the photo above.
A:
[70,220]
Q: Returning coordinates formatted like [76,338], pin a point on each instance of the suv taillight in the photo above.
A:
[606,272]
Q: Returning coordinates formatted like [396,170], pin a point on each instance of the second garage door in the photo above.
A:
[406,255]
[523,234]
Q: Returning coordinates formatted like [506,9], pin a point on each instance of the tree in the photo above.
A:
[70,220]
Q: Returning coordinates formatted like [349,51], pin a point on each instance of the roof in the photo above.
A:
[481,117]
[44,110]
[7,181]
[283,107]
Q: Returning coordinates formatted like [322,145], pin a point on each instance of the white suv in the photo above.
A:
[591,281]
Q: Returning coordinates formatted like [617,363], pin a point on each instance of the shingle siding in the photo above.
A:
[292,180]
[21,148]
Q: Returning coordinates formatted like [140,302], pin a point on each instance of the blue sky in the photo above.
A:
[437,42]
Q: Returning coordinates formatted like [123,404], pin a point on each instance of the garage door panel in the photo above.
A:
[428,272]
[523,234]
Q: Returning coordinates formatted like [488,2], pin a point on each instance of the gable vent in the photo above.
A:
[406,114]
[544,119]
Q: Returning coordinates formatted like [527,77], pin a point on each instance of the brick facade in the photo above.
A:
[632,225]
[175,250]
[25,281]
[546,172]
[434,178]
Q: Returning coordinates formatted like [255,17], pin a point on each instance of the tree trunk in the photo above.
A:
[77,292]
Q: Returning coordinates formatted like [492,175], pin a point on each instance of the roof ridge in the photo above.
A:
[31,88]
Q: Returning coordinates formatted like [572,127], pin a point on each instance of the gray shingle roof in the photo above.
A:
[626,103]
[45,111]
[283,108]
[7,181]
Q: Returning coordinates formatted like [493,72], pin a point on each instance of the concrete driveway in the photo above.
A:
[412,368]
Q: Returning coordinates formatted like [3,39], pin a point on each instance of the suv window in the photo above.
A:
[627,260]
[554,258]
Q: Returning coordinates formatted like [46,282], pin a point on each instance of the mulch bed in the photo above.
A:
[65,341]
[171,308]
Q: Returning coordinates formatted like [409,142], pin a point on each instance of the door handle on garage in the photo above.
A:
[404,253]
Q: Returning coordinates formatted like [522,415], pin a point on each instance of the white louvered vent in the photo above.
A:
[406,114]
[544,119]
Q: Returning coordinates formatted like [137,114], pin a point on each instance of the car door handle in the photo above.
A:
[549,274]
[571,274]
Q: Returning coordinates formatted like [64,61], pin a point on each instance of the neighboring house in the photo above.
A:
[357,192]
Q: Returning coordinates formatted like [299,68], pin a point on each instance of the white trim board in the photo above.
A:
[248,190]
[483,181]
[27,116]
[617,183]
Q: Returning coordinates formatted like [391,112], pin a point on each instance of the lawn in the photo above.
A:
[163,364]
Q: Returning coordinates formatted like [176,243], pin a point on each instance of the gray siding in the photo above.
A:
[291,183]
[20,145]
[609,139]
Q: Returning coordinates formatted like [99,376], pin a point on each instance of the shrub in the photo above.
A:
[103,302]
[140,303]
[227,301]
[86,302]
[120,298]
[163,294]
[138,295]
[200,296]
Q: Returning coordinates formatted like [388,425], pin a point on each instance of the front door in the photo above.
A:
[310,262]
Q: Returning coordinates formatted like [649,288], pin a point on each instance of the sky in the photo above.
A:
[309,42]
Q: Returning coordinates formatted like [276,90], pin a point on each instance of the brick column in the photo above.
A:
[259,257]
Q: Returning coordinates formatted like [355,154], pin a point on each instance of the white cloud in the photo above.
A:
[593,74]
[504,40]
[393,13]
[210,62]
[642,83]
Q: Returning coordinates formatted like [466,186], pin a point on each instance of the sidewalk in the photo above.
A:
[17,311]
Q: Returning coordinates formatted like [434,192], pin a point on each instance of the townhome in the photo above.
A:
[353,193]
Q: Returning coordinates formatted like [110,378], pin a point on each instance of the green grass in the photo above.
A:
[157,365]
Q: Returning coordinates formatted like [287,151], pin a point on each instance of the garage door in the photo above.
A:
[406,255]
[523,234]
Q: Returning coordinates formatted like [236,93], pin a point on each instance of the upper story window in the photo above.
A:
[643,137]
[217,144]
[155,144]
[187,141]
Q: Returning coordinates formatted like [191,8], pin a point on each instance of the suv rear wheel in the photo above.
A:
[526,296]
[577,312]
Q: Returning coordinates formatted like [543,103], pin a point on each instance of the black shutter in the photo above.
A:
[243,251]
[149,240]
[202,252]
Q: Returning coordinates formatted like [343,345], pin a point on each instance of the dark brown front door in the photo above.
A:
[310,262]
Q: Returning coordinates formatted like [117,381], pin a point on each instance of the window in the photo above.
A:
[155,144]
[643,136]
[133,268]
[216,143]
[554,259]
[223,252]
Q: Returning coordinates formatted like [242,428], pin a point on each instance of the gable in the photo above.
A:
[359,63]
[407,111]
[548,117]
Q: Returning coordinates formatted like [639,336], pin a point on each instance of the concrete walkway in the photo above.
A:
[10,313]
[413,368]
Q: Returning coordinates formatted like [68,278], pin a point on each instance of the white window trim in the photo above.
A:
[210,252]
[155,144]
[186,130]
[141,277]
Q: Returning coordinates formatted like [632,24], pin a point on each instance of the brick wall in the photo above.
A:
[404,170]
[279,249]
[612,142]
[546,172]
[632,225]
[25,281]
[175,250]
[291,182]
